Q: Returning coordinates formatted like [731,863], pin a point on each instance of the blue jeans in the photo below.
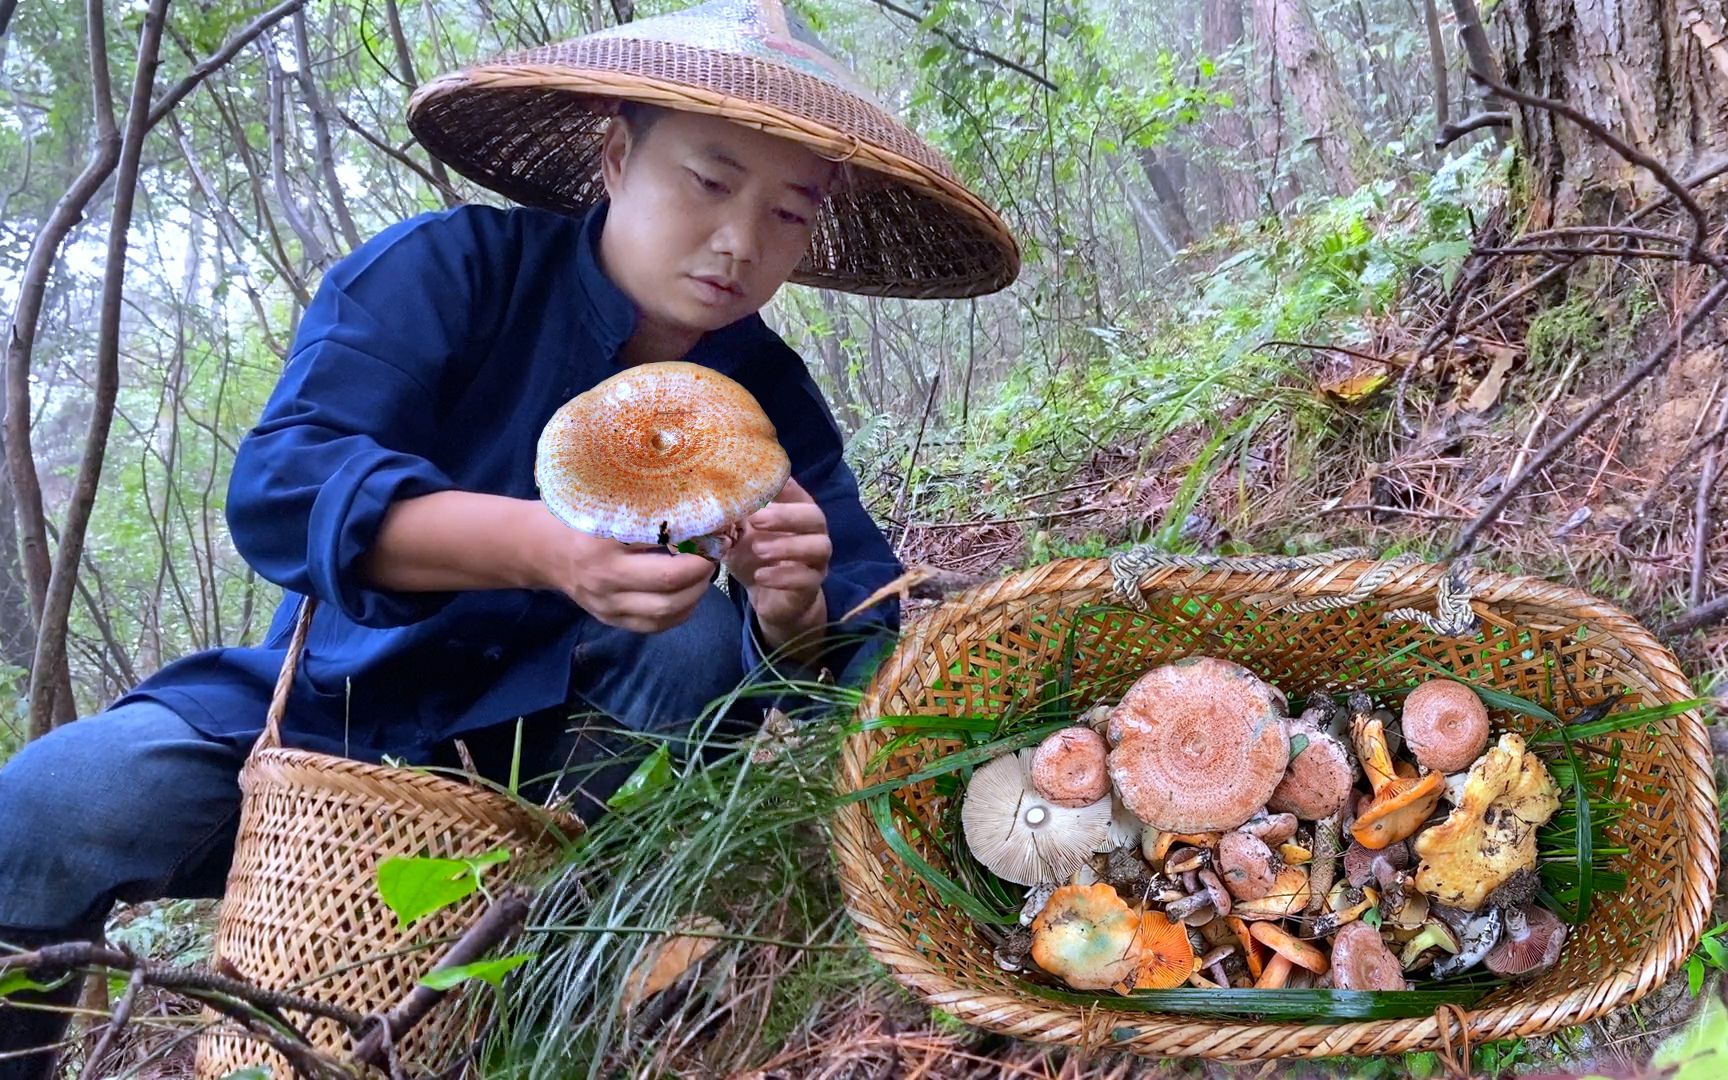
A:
[134,804]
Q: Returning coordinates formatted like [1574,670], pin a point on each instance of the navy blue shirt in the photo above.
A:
[429,360]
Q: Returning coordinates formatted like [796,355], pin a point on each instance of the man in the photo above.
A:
[391,474]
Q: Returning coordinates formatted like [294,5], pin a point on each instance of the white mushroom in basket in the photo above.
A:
[1019,835]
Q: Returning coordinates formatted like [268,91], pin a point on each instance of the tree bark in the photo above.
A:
[1437,64]
[1221,34]
[1327,111]
[51,638]
[1655,72]
[17,627]
[1169,197]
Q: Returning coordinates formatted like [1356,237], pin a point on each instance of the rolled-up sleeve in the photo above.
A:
[351,424]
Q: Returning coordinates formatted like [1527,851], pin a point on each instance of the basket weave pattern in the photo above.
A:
[302,909]
[991,646]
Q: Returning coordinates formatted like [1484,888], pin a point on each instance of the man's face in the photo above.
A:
[708,218]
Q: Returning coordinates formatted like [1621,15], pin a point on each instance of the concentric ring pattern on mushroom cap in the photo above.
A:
[671,445]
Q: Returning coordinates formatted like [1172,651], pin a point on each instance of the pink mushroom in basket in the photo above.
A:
[1199,745]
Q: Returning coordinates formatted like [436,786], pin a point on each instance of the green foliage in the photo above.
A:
[414,887]
[1709,954]
[491,972]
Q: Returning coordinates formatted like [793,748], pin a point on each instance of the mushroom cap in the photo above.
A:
[1361,960]
[1085,936]
[1398,810]
[1289,894]
[1296,951]
[1536,948]
[1198,745]
[1246,865]
[1198,685]
[1092,940]
[1318,781]
[1445,725]
[1491,834]
[659,453]
[1071,767]
[1022,837]
[1166,956]
[1359,861]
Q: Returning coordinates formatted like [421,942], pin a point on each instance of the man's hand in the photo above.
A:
[638,587]
[456,540]
[781,558]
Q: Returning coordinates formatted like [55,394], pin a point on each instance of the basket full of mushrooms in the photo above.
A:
[1256,813]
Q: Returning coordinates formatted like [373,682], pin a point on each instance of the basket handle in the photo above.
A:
[271,738]
[1452,617]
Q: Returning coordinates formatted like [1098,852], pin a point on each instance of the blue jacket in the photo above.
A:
[429,360]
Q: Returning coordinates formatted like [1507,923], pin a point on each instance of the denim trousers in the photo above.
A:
[134,804]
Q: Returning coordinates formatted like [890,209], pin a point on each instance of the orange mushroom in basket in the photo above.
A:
[1088,937]
[1071,767]
[1199,745]
[1287,952]
[1400,804]
[661,453]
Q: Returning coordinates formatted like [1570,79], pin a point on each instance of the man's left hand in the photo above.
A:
[781,558]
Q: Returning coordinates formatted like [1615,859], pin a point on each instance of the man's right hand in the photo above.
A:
[456,540]
[639,587]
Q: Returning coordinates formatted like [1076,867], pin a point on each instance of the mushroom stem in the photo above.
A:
[1370,736]
[1328,847]
[1275,974]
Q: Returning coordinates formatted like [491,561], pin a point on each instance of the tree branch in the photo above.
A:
[1447,134]
[1700,311]
[1700,225]
[21,342]
[500,921]
[968,47]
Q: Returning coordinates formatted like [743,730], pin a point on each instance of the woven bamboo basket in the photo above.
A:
[302,910]
[992,645]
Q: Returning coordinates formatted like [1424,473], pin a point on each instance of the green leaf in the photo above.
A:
[11,982]
[1277,1004]
[416,886]
[1716,951]
[1619,721]
[1441,250]
[1298,743]
[491,972]
[956,761]
[251,1072]
[1372,917]
[1694,975]
[945,887]
[651,777]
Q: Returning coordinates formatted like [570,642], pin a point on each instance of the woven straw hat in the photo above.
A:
[529,125]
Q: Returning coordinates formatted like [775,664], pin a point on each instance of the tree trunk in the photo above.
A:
[1330,116]
[1437,64]
[51,638]
[1169,197]
[1655,72]
[1221,36]
[17,630]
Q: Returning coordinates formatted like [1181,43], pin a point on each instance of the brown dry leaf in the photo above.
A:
[667,959]
[1356,387]
[1493,384]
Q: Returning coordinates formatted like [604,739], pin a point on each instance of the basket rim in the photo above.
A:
[408,785]
[1174,1034]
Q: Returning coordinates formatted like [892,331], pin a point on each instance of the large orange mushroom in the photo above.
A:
[660,453]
